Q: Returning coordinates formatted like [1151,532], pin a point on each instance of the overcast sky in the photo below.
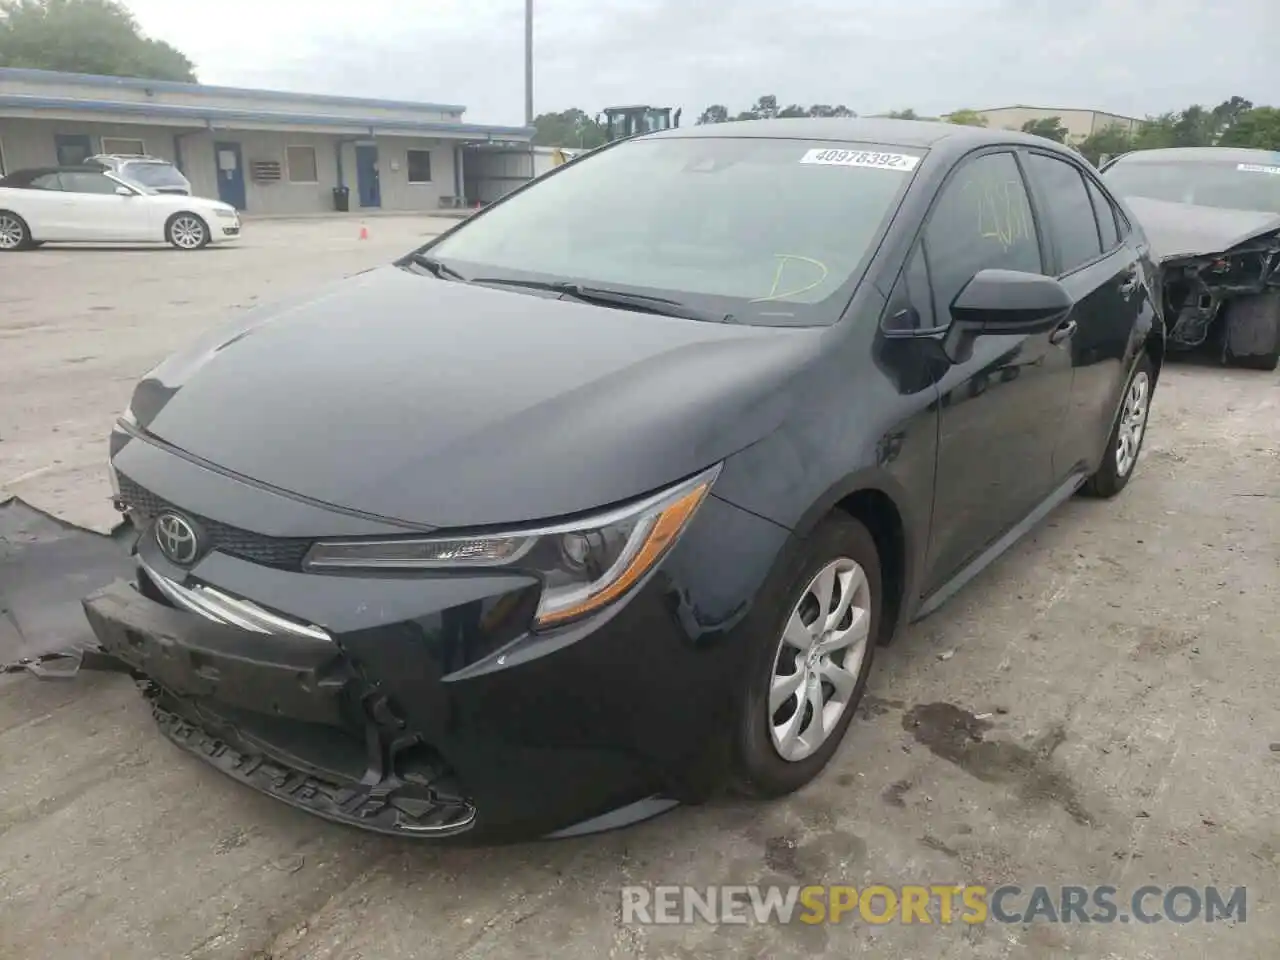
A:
[932,55]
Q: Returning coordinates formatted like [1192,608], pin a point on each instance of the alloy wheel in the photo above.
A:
[12,232]
[187,233]
[1133,422]
[819,657]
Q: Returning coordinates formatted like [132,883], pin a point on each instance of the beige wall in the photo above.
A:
[29,142]
[1079,123]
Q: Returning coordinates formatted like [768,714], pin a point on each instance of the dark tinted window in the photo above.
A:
[1069,216]
[910,307]
[46,181]
[1106,216]
[87,183]
[981,221]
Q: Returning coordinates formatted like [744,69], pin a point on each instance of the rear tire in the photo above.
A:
[1130,429]
[779,746]
[187,231]
[1251,332]
[14,232]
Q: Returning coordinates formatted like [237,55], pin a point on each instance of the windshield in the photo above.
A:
[154,174]
[1231,184]
[770,231]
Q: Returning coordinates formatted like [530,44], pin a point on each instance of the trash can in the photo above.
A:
[342,199]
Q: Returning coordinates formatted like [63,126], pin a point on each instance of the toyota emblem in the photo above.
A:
[177,538]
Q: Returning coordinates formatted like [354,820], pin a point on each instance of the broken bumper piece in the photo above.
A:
[282,714]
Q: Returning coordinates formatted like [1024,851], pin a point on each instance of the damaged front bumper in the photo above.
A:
[278,713]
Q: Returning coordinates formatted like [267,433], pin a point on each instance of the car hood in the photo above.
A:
[1187,230]
[436,403]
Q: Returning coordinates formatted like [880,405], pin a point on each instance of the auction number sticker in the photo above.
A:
[1258,168]
[861,158]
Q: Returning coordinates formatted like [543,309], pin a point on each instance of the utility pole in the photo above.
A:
[528,63]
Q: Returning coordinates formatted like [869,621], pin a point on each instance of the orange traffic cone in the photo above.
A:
[364,232]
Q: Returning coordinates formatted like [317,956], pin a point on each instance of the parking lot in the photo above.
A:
[1098,707]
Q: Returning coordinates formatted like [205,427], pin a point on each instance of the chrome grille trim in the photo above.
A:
[213,604]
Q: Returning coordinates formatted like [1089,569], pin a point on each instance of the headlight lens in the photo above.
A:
[585,565]
[227,213]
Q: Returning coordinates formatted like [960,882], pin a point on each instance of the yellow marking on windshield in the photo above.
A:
[1001,215]
[783,259]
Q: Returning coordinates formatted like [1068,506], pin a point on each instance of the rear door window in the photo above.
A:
[1106,216]
[1069,215]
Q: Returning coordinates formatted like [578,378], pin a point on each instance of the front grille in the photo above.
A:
[284,553]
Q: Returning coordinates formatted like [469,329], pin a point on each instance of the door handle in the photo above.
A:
[1064,332]
[1129,286]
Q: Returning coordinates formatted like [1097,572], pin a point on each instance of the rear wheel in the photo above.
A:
[186,231]
[811,659]
[14,232]
[1251,332]
[1127,435]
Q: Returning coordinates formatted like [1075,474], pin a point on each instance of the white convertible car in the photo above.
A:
[90,205]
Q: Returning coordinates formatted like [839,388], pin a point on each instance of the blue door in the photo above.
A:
[72,148]
[367,175]
[230,167]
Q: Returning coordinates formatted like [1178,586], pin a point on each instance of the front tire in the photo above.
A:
[1125,442]
[811,658]
[187,231]
[1251,332]
[14,232]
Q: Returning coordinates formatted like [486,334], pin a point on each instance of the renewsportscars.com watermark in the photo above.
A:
[941,904]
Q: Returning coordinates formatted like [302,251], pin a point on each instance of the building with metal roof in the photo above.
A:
[265,151]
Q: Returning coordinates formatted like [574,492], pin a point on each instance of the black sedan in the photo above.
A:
[603,500]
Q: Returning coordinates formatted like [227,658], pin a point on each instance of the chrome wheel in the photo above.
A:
[13,234]
[1133,422]
[819,657]
[187,232]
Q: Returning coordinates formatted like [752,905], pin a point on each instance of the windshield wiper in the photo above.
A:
[660,306]
[435,267]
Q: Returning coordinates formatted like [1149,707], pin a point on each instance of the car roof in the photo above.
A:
[1201,155]
[30,173]
[921,134]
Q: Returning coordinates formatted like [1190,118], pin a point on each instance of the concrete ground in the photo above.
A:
[1097,708]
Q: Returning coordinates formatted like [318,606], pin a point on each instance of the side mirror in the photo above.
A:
[123,191]
[1003,302]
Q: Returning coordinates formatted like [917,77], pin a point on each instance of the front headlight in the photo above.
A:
[227,213]
[584,564]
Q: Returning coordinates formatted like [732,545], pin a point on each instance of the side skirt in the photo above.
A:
[1015,533]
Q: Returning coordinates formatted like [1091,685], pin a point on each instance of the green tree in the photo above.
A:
[907,114]
[85,36]
[793,110]
[966,117]
[1258,127]
[568,128]
[826,110]
[1050,128]
[1156,132]
[1227,113]
[1110,141]
[716,113]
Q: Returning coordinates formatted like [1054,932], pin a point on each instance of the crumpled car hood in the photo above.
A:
[1186,230]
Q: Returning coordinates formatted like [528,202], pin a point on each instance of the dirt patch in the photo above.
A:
[958,736]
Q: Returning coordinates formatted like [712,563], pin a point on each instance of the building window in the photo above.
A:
[302,165]
[419,166]
[119,145]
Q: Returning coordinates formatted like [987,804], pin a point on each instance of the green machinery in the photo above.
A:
[621,122]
